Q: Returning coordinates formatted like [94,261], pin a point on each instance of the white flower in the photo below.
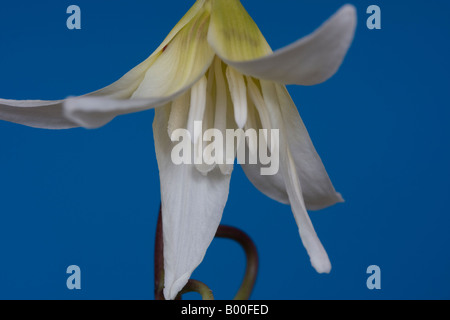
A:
[216,66]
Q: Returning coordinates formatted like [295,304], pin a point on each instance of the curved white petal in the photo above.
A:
[183,60]
[35,113]
[272,186]
[53,114]
[238,93]
[179,112]
[94,112]
[316,251]
[197,107]
[192,206]
[317,254]
[318,191]
[309,61]
[128,84]
[221,116]
[180,64]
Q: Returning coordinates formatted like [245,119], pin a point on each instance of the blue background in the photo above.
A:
[91,198]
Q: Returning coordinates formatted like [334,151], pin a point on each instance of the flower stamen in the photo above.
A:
[198,105]
[238,92]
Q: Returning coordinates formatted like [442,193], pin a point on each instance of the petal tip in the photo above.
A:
[348,8]
[350,12]
[241,121]
[171,291]
[322,266]
[310,60]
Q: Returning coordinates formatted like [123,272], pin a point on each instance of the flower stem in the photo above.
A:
[196,286]
[199,287]
[252,259]
[159,259]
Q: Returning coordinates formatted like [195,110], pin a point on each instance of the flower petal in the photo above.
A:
[272,186]
[92,112]
[192,206]
[197,107]
[238,93]
[180,64]
[127,85]
[233,34]
[318,191]
[35,113]
[318,255]
[95,112]
[54,115]
[179,112]
[308,61]
[183,61]
[223,114]
[316,251]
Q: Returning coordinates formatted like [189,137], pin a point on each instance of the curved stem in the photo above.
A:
[196,286]
[199,287]
[252,259]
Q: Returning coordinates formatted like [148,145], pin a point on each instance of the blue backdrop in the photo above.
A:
[91,198]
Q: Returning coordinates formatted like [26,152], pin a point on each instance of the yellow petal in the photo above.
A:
[127,85]
[233,34]
[172,71]
[182,61]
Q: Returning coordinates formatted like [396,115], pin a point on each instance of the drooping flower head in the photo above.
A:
[216,67]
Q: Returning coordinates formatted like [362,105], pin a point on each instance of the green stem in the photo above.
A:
[199,287]
[252,259]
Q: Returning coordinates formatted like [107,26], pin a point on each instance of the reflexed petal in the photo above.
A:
[192,206]
[35,113]
[127,85]
[51,114]
[54,115]
[184,60]
[187,18]
[181,63]
[317,254]
[318,191]
[309,61]
[272,186]
[93,112]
